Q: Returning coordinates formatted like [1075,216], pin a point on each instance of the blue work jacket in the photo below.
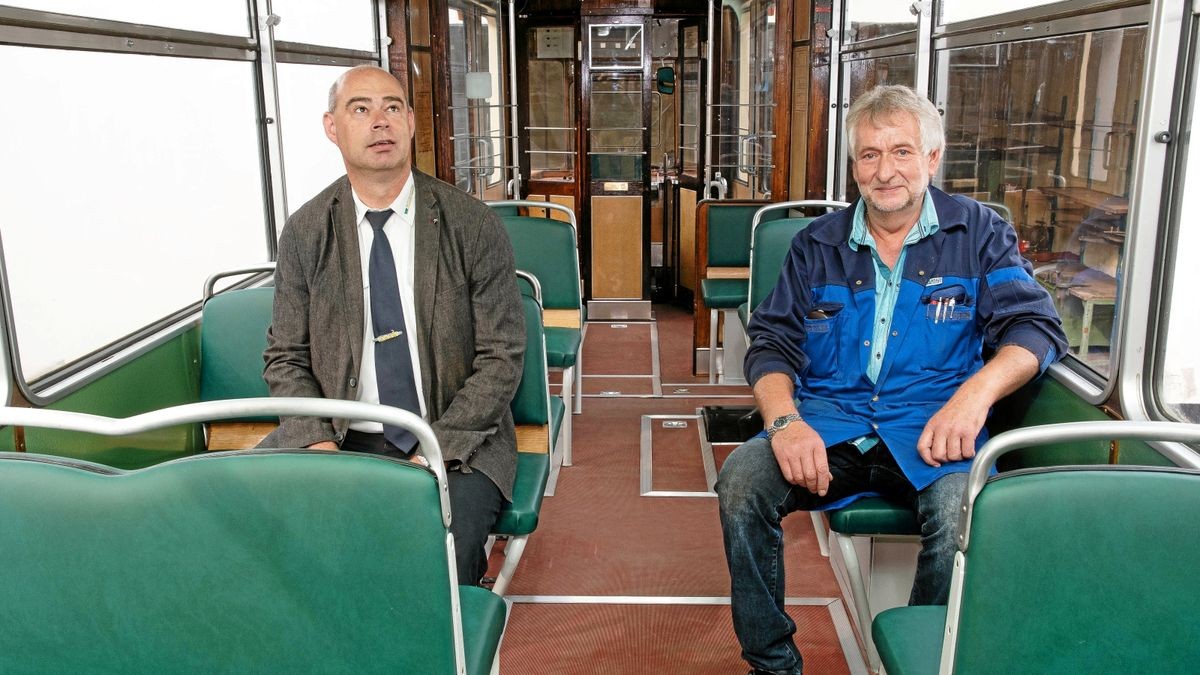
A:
[816,326]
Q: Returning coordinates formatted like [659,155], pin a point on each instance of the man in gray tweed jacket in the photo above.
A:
[454,267]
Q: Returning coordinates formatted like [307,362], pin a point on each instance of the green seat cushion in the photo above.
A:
[562,346]
[521,516]
[909,639]
[873,515]
[483,618]
[744,314]
[724,293]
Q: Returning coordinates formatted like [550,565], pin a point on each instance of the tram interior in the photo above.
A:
[660,127]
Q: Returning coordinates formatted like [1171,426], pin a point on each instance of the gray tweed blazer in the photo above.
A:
[472,331]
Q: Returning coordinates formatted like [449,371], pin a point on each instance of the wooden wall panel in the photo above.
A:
[687,240]
[616,247]
[799,131]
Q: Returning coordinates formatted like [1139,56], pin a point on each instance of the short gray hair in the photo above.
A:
[337,84]
[886,100]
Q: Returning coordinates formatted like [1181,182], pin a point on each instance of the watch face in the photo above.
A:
[780,422]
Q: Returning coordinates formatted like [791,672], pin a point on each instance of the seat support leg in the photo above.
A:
[822,534]
[858,589]
[712,346]
[577,369]
[568,381]
[512,556]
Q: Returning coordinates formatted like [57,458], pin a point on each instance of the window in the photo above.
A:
[311,161]
[227,17]
[551,111]
[951,11]
[477,85]
[350,25]
[870,19]
[1044,131]
[148,159]
[130,198]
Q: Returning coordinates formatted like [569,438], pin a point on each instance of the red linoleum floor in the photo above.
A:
[599,537]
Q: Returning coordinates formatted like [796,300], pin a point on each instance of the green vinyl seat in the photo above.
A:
[258,561]
[548,248]
[538,419]
[1044,400]
[743,311]
[233,337]
[724,293]
[1077,569]
[874,516]
[911,641]
[725,226]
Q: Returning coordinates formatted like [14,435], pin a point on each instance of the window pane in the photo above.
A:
[963,10]
[552,116]
[310,160]
[130,197]
[746,118]
[1178,377]
[227,17]
[691,108]
[866,19]
[477,86]
[350,25]
[1045,130]
[614,45]
[615,139]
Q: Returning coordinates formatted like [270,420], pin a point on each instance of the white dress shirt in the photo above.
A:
[402,236]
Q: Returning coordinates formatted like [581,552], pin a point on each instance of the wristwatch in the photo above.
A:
[780,423]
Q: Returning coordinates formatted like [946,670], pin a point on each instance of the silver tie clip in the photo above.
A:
[388,336]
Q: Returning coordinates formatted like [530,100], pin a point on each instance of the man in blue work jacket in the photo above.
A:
[867,364]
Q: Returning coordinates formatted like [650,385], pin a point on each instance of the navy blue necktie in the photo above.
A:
[393,360]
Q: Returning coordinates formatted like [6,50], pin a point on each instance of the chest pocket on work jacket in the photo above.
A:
[947,319]
[823,328]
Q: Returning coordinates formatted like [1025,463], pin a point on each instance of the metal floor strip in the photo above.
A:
[655,600]
[837,613]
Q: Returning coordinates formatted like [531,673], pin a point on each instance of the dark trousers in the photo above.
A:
[475,504]
[754,498]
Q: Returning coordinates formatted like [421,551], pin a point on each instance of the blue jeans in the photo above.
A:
[754,498]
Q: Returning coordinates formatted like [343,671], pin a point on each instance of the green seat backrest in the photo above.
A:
[258,561]
[531,405]
[545,248]
[233,335]
[772,241]
[1045,400]
[729,232]
[1082,571]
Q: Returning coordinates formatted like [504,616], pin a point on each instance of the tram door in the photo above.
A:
[616,120]
[481,139]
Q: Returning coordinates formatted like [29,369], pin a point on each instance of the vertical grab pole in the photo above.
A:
[515,183]
[708,107]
